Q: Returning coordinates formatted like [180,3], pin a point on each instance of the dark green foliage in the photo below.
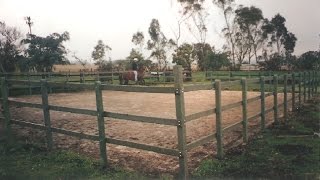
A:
[202,52]
[308,61]
[215,61]
[272,63]
[10,52]
[44,52]
[184,56]
[279,35]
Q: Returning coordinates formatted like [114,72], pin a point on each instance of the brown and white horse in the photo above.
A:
[127,76]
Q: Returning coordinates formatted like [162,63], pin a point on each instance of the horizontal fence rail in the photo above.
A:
[301,86]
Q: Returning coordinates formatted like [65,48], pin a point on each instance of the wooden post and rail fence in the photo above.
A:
[309,81]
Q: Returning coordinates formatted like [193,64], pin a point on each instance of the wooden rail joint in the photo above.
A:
[179,91]
[180,154]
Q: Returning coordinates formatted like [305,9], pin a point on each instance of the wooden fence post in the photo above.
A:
[317,80]
[46,112]
[50,78]
[309,85]
[313,83]
[304,87]
[219,132]
[30,87]
[101,127]
[5,107]
[81,77]
[300,79]
[181,128]
[293,85]
[112,77]
[285,97]
[263,104]
[275,98]
[244,110]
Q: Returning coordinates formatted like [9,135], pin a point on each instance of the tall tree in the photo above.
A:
[279,35]
[99,54]
[250,21]
[10,48]
[195,10]
[185,56]
[227,9]
[44,52]
[138,40]
[202,52]
[158,44]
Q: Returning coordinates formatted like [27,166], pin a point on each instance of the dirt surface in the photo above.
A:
[144,104]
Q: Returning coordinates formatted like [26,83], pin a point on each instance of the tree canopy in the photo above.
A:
[10,48]
[44,52]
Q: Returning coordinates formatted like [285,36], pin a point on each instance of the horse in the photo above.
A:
[129,75]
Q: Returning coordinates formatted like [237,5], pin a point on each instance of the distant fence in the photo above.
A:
[303,86]
[166,77]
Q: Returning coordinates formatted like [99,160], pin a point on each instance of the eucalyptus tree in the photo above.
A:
[279,35]
[195,10]
[250,21]
[99,54]
[158,44]
[138,40]
[227,7]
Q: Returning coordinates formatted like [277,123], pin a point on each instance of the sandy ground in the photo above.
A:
[146,104]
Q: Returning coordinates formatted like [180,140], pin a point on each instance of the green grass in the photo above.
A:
[26,161]
[283,151]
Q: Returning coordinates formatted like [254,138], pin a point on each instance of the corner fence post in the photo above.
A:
[285,97]
[293,83]
[304,87]
[275,98]
[244,109]
[263,104]
[5,107]
[46,112]
[219,132]
[101,128]
[181,127]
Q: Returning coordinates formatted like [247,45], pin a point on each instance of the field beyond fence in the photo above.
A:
[275,95]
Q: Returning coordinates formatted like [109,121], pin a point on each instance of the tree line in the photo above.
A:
[249,36]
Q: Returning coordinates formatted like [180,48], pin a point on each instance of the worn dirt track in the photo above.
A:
[145,104]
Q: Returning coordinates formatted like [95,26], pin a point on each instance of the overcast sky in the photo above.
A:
[115,21]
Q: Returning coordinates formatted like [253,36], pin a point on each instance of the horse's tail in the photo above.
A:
[120,78]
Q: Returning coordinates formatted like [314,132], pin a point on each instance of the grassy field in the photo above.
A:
[289,150]
[26,161]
